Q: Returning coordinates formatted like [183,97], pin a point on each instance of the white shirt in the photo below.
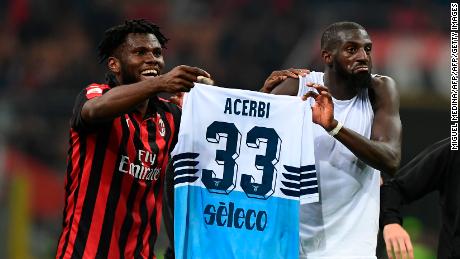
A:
[344,224]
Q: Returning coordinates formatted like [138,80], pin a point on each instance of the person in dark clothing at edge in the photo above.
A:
[121,136]
[435,169]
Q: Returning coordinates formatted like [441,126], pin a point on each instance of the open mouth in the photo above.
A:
[149,73]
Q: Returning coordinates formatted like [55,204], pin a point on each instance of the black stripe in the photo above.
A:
[308,175]
[157,187]
[91,194]
[290,192]
[187,155]
[292,169]
[185,171]
[81,164]
[143,210]
[291,184]
[114,196]
[308,183]
[306,168]
[185,163]
[185,179]
[128,221]
[309,191]
[292,177]
[144,219]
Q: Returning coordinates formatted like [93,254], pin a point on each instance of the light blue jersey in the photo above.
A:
[241,172]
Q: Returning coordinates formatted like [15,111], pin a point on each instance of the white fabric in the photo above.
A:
[344,224]
[196,152]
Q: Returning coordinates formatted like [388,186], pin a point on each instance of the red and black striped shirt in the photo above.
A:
[114,182]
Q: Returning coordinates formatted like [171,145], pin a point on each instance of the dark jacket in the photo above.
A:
[436,169]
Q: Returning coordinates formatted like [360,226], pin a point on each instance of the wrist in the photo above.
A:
[331,126]
[336,126]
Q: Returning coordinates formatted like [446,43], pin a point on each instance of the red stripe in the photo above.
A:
[132,237]
[70,197]
[170,122]
[127,183]
[114,251]
[102,194]
[90,142]
[142,187]
[150,198]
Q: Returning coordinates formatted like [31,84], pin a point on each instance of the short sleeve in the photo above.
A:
[90,92]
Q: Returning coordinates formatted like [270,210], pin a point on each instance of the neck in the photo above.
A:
[142,107]
[337,85]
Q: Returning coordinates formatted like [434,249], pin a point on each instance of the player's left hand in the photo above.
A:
[278,76]
[323,108]
[398,242]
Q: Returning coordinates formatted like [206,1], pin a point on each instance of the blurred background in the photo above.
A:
[48,54]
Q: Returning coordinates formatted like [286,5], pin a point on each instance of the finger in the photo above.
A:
[187,75]
[309,94]
[271,83]
[389,249]
[410,249]
[276,80]
[198,71]
[402,248]
[204,80]
[185,85]
[299,71]
[395,246]
[286,72]
[318,87]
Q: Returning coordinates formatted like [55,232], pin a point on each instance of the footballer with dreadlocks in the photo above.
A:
[120,138]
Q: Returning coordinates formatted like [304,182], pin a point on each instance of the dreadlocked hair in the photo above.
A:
[330,37]
[115,36]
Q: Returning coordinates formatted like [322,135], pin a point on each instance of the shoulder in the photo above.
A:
[384,91]
[95,90]
[383,81]
[290,86]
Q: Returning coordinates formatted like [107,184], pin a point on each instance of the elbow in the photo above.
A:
[92,112]
[392,164]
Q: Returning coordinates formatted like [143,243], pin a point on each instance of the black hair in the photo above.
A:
[115,36]
[330,39]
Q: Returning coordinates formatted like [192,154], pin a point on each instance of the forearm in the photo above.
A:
[379,155]
[391,200]
[117,101]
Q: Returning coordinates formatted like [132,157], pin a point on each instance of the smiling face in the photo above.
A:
[352,57]
[137,59]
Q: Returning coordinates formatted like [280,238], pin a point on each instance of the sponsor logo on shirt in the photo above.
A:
[143,168]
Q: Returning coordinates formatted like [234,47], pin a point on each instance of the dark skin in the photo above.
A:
[353,54]
[137,65]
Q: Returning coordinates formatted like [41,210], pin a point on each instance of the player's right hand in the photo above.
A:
[278,76]
[397,242]
[180,78]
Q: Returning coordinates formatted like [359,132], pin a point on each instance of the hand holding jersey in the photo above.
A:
[323,106]
[279,76]
[178,98]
